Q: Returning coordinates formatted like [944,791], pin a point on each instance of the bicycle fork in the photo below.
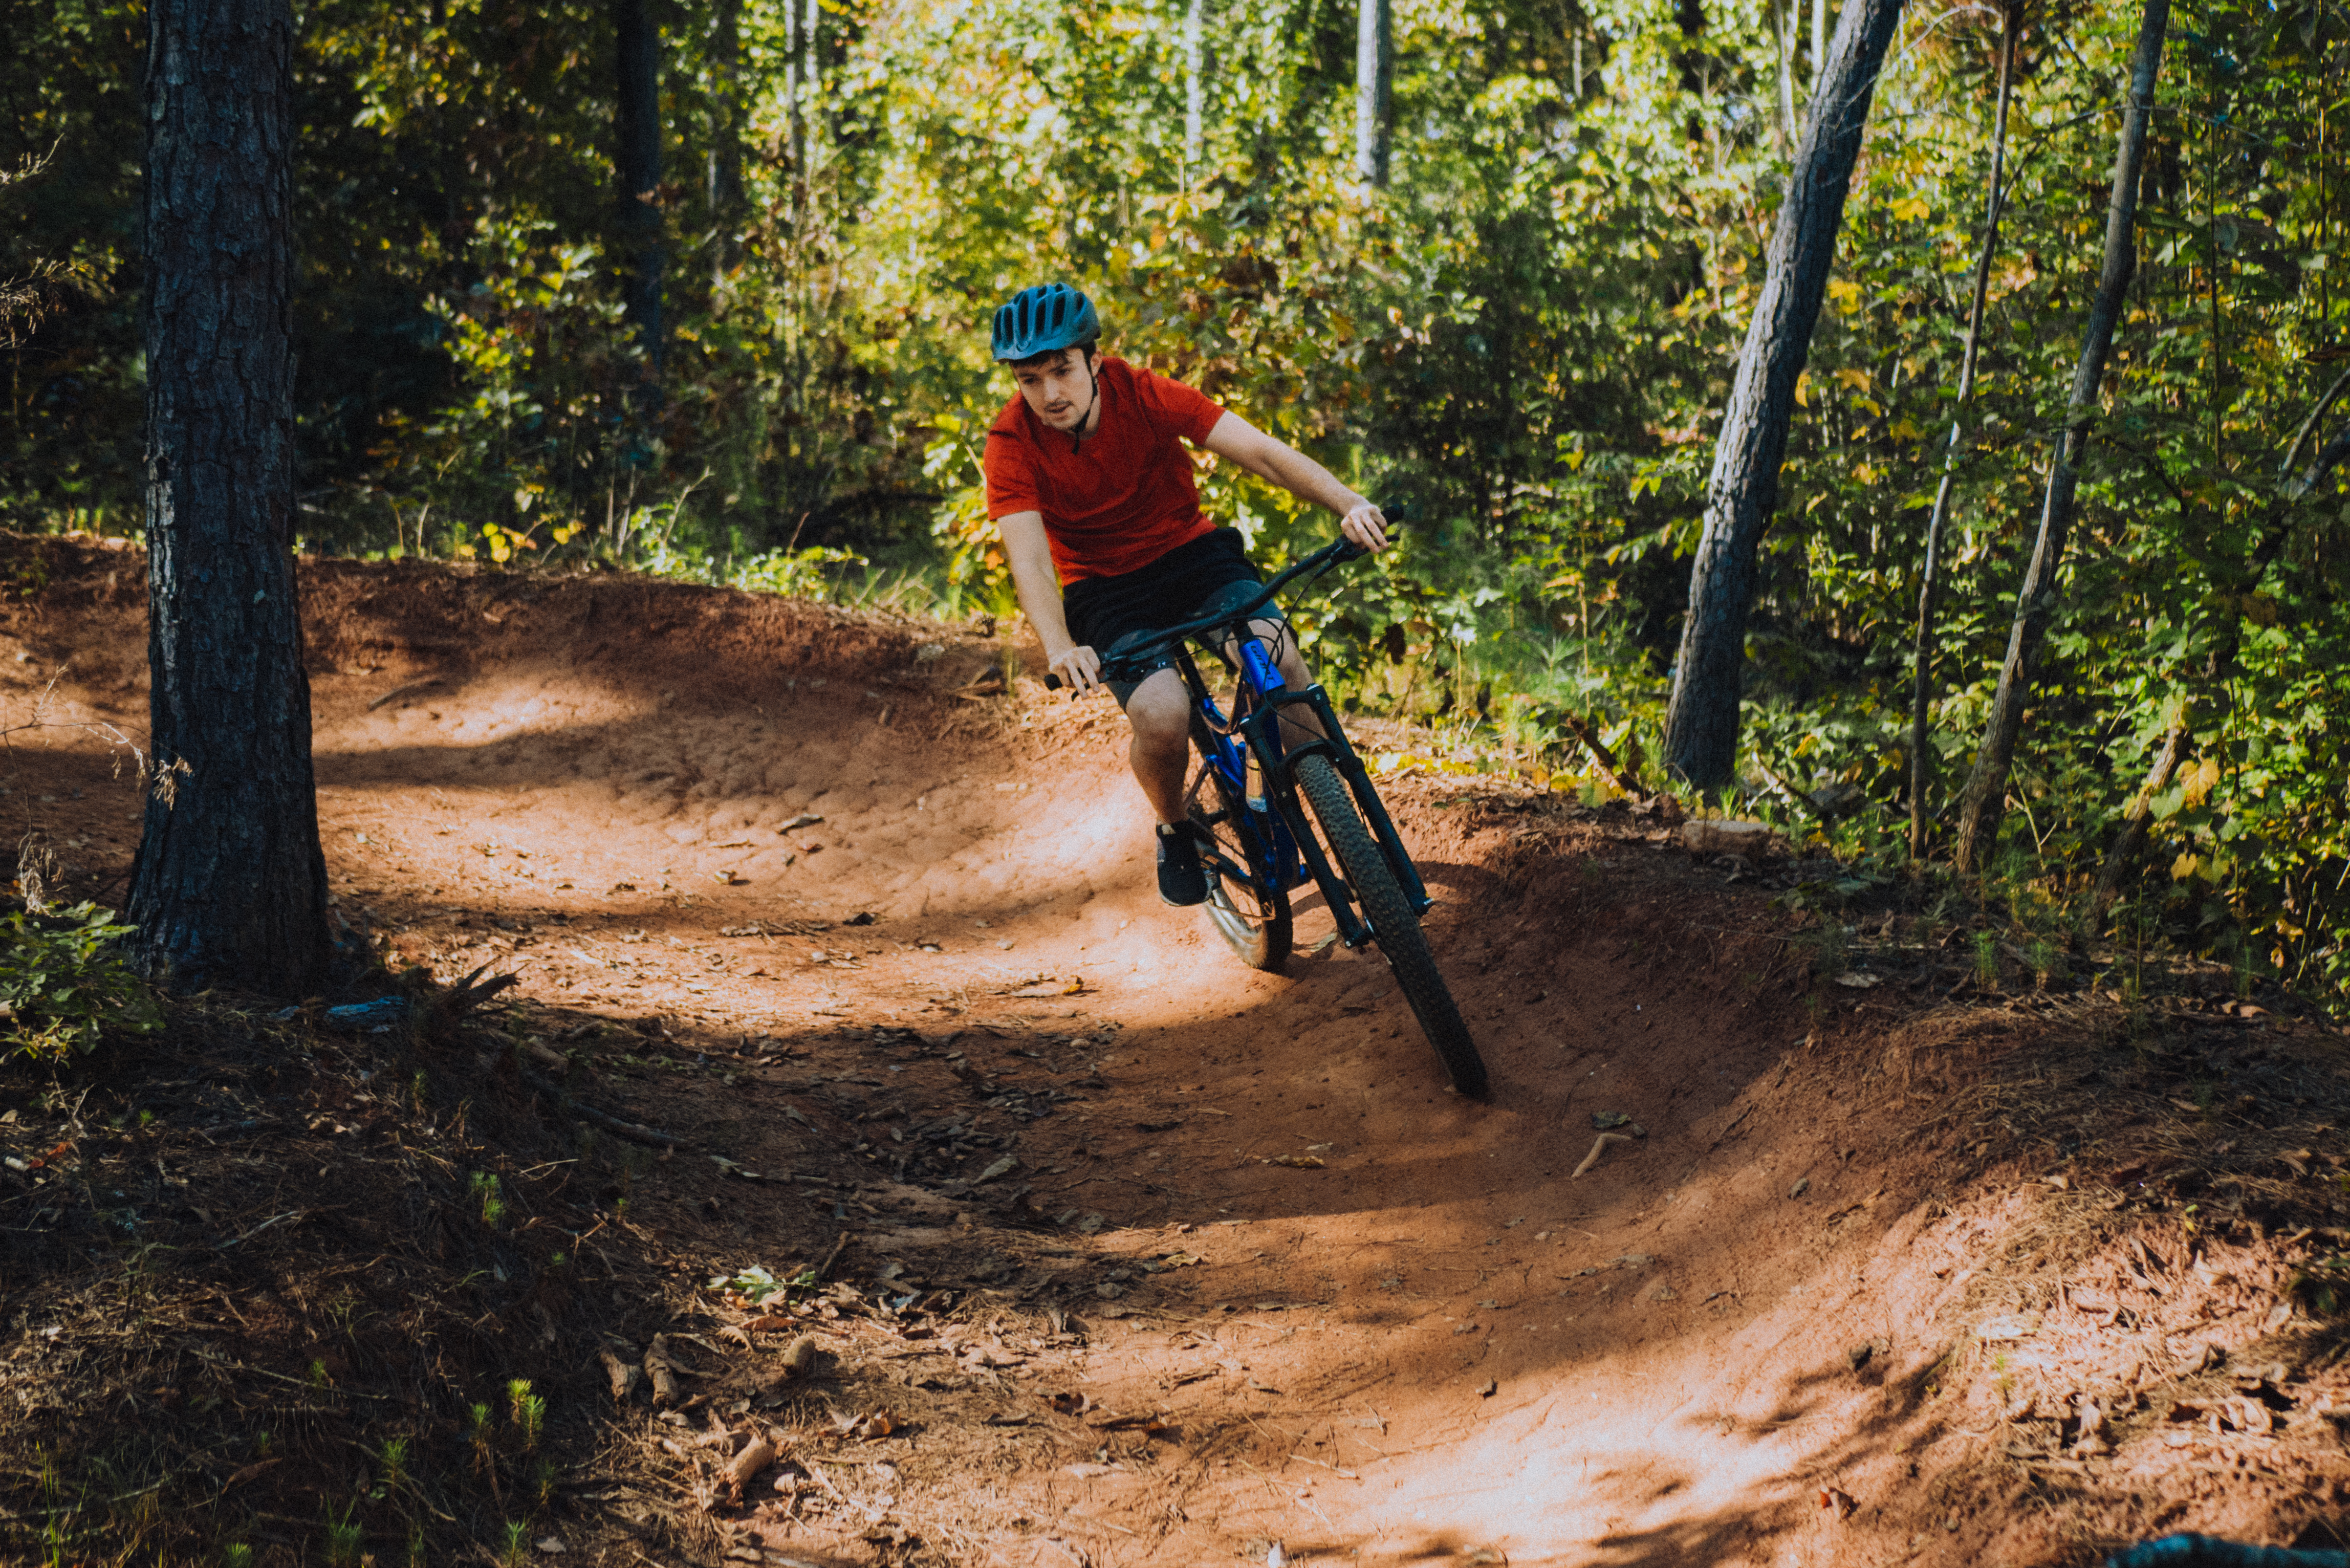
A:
[1276,761]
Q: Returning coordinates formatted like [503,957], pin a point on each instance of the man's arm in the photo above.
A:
[1261,454]
[1039,587]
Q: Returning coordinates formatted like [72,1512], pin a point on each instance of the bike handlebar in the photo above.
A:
[1330,555]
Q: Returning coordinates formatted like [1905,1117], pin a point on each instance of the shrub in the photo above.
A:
[64,983]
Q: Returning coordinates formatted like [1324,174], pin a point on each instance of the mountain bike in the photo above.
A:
[1279,799]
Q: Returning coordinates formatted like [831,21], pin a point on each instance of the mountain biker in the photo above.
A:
[1090,486]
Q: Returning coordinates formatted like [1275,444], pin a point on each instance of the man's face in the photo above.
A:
[1059,388]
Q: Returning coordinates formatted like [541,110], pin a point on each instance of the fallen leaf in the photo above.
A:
[1858,982]
[805,819]
[1297,1161]
[1004,1164]
[1604,1120]
[1838,1501]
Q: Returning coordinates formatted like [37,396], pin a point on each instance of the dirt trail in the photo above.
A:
[1422,1339]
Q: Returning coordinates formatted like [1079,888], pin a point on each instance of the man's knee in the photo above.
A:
[1158,714]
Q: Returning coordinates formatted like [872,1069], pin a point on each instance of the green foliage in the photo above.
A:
[1524,340]
[65,983]
[755,1285]
[528,1410]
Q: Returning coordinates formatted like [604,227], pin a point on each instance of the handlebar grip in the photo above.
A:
[1052,683]
[1349,551]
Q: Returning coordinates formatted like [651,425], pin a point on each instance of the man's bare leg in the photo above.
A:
[1160,752]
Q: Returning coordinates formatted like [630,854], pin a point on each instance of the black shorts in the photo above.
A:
[1210,573]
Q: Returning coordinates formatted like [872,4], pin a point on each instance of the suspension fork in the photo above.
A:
[1335,745]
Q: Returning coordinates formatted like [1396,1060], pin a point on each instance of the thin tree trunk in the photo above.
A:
[1374,89]
[638,163]
[725,162]
[794,90]
[1195,80]
[1922,762]
[1819,41]
[1783,23]
[229,887]
[1701,725]
[811,38]
[1984,802]
[2131,842]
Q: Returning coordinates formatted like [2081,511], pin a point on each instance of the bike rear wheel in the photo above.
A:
[1248,913]
[1395,925]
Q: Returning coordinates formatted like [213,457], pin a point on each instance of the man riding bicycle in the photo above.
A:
[1089,484]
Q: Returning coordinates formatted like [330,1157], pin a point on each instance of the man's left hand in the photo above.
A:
[1364,524]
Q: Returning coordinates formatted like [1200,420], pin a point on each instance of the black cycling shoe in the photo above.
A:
[1182,880]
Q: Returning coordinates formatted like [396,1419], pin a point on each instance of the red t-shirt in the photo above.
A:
[1123,499]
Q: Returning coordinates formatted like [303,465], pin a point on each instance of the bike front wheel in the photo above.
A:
[1395,925]
[1248,911]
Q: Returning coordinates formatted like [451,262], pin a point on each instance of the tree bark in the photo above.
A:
[1701,725]
[1984,802]
[229,887]
[637,162]
[1922,761]
[1374,89]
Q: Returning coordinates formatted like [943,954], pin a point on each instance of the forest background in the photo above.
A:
[701,288]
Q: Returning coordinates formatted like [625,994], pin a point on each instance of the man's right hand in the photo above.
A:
[1080,669]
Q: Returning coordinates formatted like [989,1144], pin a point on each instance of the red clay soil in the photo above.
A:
[1968,1275]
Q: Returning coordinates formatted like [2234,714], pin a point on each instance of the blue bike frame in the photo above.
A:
[1288,850]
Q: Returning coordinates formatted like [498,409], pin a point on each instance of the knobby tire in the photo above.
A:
[1395,925]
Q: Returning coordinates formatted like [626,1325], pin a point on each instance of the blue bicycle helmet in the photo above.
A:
[1042,319]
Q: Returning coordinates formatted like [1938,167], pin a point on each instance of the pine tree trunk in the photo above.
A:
[1701,725]
[1374,89]
[1929,584]
[1984,802]
[229,887]
[638,162]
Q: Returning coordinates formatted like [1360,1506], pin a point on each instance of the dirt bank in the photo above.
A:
[1892,1265]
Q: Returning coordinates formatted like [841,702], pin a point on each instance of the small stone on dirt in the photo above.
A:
[1801,1186]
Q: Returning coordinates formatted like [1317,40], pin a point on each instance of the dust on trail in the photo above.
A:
[1422,1340]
